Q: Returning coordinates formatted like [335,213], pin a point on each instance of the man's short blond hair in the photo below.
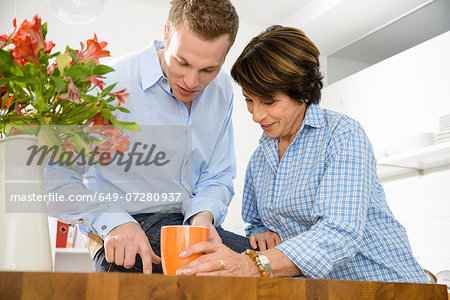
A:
[209,19]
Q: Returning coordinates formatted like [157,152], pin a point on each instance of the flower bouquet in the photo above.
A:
[40,89]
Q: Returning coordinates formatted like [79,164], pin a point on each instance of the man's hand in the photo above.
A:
[265,241]
[124,242]
[205,218]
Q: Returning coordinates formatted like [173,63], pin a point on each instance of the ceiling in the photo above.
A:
[331,24]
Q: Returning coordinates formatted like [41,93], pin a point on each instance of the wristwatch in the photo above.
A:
[266,263]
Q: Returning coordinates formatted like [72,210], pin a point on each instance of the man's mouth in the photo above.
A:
[185,92]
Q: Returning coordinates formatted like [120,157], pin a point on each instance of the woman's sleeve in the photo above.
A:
[340,207]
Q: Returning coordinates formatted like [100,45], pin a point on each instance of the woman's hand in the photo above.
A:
[218,260]
[205,218]
[265,241]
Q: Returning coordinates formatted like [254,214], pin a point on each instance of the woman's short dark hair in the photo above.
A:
[280,59]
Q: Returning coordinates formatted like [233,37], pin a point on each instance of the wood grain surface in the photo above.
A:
[115,286]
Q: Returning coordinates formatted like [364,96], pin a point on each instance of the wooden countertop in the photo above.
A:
[58,286]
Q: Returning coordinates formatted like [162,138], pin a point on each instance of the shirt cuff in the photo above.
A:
[311,260]
[217,208]
[108,221]
[255,229]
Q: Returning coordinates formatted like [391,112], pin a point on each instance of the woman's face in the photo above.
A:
[282,118]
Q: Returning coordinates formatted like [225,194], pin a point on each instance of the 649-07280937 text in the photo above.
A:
[101,197]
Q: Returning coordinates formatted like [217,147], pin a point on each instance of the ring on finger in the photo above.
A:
[222,264]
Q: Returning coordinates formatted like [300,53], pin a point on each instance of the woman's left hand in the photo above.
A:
[218,260]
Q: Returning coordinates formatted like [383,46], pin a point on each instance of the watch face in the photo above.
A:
[266,263]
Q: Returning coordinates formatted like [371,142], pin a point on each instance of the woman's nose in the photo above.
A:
[259,113]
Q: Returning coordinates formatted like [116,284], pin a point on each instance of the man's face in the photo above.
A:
[190,62]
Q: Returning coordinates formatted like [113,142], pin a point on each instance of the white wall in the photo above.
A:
[404,94]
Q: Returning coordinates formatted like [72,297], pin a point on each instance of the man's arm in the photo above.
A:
[123,237]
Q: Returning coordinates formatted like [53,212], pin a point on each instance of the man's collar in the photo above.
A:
[150,66]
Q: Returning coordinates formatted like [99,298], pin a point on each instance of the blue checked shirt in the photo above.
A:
[326,203]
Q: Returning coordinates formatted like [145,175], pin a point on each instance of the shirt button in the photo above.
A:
[282,219]
[103,227]
[164,80]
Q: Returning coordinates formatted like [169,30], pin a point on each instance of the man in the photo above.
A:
[181,98]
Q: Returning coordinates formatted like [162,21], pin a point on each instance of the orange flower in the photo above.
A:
[93,52]
[121,144]
[28,41]
[3,39]
[73,94]
[8,102]
[120,97]
[95,81]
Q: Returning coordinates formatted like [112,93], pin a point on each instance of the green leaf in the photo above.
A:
[7,66]
[58,84]
[72,52]
[102,70]
[121,108]
[130,126]
[44,30]
[107,90]
[79,72]
[62,62]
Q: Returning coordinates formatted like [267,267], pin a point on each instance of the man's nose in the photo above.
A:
[191,79]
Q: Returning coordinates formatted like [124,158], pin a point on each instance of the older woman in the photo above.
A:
[312,199]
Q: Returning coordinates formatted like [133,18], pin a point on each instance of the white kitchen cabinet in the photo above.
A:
[73,260]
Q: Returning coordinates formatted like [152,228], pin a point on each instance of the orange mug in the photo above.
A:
[175,239]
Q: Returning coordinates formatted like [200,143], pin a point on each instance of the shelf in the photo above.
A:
[414,162]
[72,250]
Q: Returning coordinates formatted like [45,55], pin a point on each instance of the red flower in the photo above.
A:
[3,39]
[120,97]
[93,52]
[8,102]
[95,81]
[121,144]
[73,94]
[28,41]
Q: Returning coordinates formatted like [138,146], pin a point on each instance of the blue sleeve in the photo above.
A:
[79,205]
[340,207]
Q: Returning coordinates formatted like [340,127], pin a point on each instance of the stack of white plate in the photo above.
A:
[444,130]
